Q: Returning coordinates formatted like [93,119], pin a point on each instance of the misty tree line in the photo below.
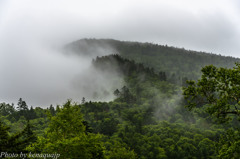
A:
[147,120]
[177,62]
[14,113]
[128,67]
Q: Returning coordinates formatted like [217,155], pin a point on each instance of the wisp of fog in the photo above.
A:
[44,75]
[33,67]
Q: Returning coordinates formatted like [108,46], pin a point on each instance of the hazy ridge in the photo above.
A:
[174,61]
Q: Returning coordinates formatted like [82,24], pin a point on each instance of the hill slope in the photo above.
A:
[176,62]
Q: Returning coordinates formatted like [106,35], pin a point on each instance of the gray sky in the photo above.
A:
[29,30]
[207,25]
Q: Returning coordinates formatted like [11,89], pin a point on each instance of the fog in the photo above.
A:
[44,75]
[32,33]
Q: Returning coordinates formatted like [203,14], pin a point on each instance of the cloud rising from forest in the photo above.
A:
[31,33]
[44,75]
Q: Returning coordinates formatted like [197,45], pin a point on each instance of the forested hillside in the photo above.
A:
[146,120]
[176,62]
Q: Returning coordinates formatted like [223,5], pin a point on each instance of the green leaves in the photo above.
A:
[66,135]
[229,145]
[219,88]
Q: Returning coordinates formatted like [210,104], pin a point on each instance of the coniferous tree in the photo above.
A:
[22,105]
[52,110]
[83,100]
[4,137]
[23,109]
[116,93]
[6,109]
[15,143]
[32,113]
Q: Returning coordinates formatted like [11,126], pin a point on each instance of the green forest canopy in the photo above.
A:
[147,120]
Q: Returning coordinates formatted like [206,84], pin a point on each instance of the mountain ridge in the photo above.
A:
[176,62]
[110,40]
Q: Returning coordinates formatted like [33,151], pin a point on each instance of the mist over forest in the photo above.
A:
[120,79]
[121,97]
[45,75]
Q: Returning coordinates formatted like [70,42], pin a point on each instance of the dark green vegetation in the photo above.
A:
[218,94]
[178,63]
[218,88]
[147,120]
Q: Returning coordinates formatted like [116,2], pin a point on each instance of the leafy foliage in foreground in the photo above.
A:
[218,93]
[220,89]
[66,134]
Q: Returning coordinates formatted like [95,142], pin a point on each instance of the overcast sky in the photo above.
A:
[28,28]
[207,25]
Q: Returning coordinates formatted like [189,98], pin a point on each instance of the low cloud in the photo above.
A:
[44,75]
